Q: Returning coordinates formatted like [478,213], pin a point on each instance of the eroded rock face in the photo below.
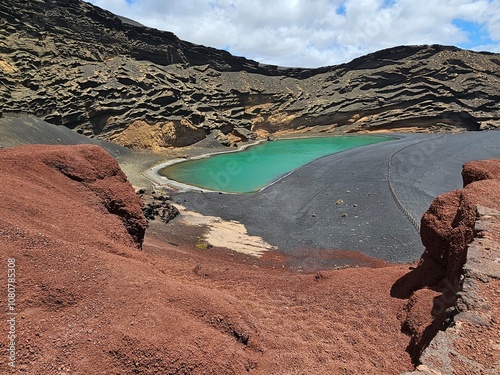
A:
[469,344]
[140,134]
[90,169]
[157,205]
[447,229]
[73,64]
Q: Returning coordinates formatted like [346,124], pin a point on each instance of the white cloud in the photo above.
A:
[492,17]
[313,33]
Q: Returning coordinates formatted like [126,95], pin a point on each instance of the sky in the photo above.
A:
[313,33]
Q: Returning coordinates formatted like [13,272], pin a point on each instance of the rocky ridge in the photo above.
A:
[73,64]
[471,344]
[452,293]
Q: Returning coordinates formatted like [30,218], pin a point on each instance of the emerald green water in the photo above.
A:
[258,166]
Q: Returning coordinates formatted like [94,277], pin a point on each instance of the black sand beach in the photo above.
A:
[344,201]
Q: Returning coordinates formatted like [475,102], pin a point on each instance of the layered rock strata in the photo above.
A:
[73,64]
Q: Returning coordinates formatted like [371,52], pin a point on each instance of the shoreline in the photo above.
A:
[156,178]
[300,211]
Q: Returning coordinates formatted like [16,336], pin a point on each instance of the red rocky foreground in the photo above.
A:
[460,228]
[89,301]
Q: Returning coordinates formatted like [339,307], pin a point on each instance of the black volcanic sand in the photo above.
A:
[28,129]
[300,214]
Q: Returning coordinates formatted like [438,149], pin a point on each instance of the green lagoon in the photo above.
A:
[258,166]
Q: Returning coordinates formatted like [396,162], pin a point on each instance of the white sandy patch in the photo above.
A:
[229,234]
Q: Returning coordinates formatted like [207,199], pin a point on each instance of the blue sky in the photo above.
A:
[312,33]
[477,34]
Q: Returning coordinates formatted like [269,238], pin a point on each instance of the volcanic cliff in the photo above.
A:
[87,301]
[74,64]
[453,293]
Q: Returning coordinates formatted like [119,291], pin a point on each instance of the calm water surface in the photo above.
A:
[258,166]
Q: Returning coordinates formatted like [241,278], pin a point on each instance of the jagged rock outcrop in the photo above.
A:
[73,64]
[469,345]
[157,205]
[447,230]
[480,170]
[92,170]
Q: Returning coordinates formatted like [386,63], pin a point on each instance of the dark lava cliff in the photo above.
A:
[73,64]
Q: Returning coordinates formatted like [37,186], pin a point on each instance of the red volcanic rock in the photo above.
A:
[447,228]
[80,167]
[480,170]
[88,302]
[417,322]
